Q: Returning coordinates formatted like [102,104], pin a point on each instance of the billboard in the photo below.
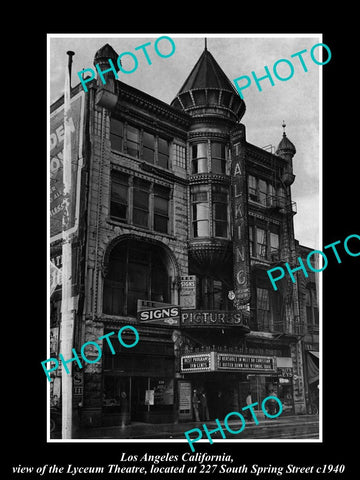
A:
[57,132]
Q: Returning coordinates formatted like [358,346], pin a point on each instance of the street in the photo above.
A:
[288,427]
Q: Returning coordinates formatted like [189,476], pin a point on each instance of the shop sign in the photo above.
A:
[168,315]
[226,361]
[285,372]
[78,383]
[210,318]
[184,394]
[55,277]
[188,291]
[57,132]
[149,397]
[54,341]
[164,391]
[202,362]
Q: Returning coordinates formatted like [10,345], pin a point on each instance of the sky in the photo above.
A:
[296,101]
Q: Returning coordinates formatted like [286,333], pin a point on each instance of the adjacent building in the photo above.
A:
[178,220]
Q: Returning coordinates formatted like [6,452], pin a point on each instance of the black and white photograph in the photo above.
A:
[200,242]
[183,212]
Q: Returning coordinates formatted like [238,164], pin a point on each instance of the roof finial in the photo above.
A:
[205,43]
[284,125]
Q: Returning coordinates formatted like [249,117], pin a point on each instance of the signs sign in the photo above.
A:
[56,164]
[161,314]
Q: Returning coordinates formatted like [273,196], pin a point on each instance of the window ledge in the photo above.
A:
[119,223]
[262,261]
[105,317]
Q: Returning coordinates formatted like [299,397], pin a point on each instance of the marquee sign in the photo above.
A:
[214,361]
[202,362]
[249,363]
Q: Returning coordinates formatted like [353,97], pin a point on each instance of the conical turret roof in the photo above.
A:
[208,91]
[206,74]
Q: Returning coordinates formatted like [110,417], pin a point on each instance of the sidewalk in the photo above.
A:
[296,426]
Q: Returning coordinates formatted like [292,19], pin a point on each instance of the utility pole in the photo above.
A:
[67,307]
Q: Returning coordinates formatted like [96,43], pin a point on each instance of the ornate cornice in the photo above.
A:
[152,104]
[208,178]
[207,134]
[266,158]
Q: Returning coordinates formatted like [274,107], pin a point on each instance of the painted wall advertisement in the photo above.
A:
[57,132]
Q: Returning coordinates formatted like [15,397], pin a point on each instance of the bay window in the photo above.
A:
[199,158]
[218,159]
[200,213]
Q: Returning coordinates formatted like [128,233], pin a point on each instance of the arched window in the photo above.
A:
[136,271]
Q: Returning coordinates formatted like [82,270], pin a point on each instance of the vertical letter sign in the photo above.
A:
[240,225]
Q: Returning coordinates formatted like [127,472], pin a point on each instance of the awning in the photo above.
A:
[312,361]
[315,354]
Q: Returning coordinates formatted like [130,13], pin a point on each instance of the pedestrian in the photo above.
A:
[195,404]
[204,407]
[220,404]
[123,409]
[248,402]
[272,404]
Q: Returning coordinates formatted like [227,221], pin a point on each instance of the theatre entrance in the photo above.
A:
[224,392]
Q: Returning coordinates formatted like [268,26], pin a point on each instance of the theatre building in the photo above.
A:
[179,218]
